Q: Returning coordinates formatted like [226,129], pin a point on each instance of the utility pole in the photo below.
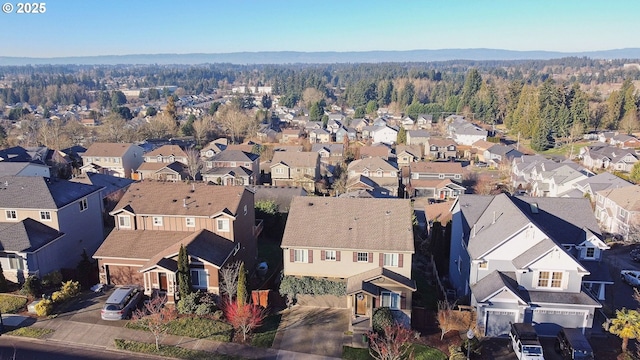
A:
[518,143]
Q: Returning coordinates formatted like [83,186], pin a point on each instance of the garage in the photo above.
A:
[498,322]
[123,275]
[547,322]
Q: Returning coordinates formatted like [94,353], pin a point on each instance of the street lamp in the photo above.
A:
[470,336]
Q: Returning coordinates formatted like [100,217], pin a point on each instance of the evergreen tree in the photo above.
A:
[184,274]
[242,286]
[171,108]
[3,281]
[402,136]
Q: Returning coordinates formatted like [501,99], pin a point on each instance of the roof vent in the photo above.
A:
[534,208]
[175,200]
[387,212]
[310,204]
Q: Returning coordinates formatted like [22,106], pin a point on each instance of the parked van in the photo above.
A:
[572,344]
[121,303]
[525,342]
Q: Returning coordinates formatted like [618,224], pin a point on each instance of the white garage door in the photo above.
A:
[499,322]
[548,322]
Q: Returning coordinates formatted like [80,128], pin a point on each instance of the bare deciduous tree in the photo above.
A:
[233,120]
[311,96]
[393,344]
[194,163]
[229,274]
[155,317]
[201,128]
[113,128]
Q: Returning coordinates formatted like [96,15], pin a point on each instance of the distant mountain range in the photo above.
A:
[293,57]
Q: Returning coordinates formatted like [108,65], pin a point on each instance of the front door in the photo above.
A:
[361,304]
[162,278]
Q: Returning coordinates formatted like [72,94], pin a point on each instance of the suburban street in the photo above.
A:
[12,348]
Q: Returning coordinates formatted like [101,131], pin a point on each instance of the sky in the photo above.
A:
[121,27]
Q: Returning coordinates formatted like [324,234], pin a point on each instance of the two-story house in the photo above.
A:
[117,159]
[232,167]
[319,136]
[525,259]
[373,173]
[406,154]
[46,224]
[216,225]
[618,209]
[417,137]
[384,134]
[296,169]
[464,132]
[366,243]
[291,135]
[435,180]
[329,153]
[602,156]
[438,148]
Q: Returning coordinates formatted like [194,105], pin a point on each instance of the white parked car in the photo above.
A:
[631,277]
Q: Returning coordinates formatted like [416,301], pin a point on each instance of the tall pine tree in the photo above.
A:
[184,274]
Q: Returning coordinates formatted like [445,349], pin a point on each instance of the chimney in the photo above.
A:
[494,218]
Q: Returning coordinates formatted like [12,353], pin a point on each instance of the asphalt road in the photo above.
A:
[11,348]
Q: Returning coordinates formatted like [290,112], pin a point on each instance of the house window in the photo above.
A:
[330,255]
[483,265]
[116,160]
[11,214]
[623,213]
[83,204]
[390,300]
[279,170]
[590,253]
[232,164]
[300,256]
[379,173]
[550,279]
[157,221]
[45,215]
[199,278]
[363,257]
[15,262]
[191,222]
[124,221]
[440,176]
[223,225]
[390,259]
[159,158]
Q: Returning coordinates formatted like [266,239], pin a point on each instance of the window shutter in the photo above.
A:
[323,255]
[370,257]
[403,300]
[338,255]
[355,256]
[400,260]
[292,256]
[310,256]
[381,260]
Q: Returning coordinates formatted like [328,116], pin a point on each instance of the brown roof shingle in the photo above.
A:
[169,198]
[108,149]
[436,167]
[295,159]
[166,150]
[350,223]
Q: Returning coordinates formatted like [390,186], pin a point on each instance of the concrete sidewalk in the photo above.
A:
[103,336]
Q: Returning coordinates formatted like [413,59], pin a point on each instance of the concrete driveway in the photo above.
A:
[86,309]
[313,330]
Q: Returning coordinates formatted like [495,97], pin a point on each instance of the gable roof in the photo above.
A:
[370,224]
[627,197]
[33,192]
[169,198]
[363,281]
[295,159]
[27,235]
[167,150]
[109,183]
[234,155]
[493,283]
[436,167]
[374,151]
[108,149]
[371,164]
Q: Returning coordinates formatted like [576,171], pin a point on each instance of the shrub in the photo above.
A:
[52,279]
[382,317]
[292,286]
[44,307]
[70,288]
[188,303]
[32,286]
[198,303]
[58,296]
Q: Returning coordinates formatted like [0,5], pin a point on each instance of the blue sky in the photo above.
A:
[118,27]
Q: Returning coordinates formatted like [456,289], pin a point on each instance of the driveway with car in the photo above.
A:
[86,309]
[313,330]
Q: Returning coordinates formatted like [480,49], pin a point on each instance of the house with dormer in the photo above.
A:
[365,244]
[372,173]
[46,223]
[116,159]
[603,156]
[439,148]
[618,209]
[215,224]
[531,260]
[167,154]
[232,167]
[295,169]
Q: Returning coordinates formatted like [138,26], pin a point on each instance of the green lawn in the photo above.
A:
[31,332]
[170,351]
[10,304]
[195,327]
[566,149]
[420,352]
[263,337]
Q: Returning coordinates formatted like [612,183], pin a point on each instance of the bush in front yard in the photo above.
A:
[70,288]
[199,303]
[44,307]
[381,317]
[32,286]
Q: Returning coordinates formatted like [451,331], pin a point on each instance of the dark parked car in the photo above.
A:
[121,303]
[573,345]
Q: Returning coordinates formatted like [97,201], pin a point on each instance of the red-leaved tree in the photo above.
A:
[155,317]
[243,317]
[393,344]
